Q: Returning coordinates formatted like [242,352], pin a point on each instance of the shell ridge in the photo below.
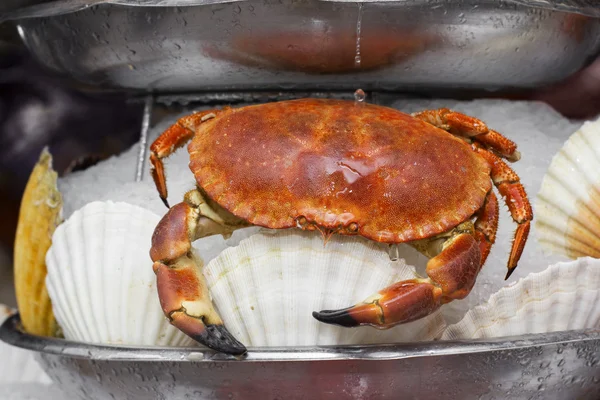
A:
[96,256]
[55,290]
[151,332]
[75,231]
[94,235]
[239,297]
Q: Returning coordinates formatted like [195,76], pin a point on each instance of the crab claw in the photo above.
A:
[404,301]
[452,275]
[182,290]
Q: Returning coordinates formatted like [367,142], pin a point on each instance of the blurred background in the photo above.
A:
[38,108]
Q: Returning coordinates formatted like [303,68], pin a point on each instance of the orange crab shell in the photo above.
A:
[351,168]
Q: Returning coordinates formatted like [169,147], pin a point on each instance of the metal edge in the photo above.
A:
[59,7]
[11,333]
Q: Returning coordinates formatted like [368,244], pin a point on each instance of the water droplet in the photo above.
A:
[394,252]
[359,96]
[357,57]
[561,363]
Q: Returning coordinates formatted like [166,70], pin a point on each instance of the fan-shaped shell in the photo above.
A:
[40,213]
[568,204]
[563,297]
[18,365]
[266,289]
[100,278]
[391,177]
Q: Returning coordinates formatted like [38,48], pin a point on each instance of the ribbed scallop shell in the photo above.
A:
[40,213]
[18,365]
[568,204]
[100,278]
[267,288]
[565,296]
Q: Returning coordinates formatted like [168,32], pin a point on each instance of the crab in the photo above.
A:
[338,167]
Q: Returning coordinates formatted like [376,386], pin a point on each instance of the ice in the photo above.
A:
[538,130]
[30,391]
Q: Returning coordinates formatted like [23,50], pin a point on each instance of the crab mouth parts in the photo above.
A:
[351,228]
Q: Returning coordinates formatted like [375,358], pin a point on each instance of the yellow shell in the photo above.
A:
[40,214]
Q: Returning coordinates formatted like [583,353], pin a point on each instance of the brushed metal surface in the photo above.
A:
[561,365]
[215,45]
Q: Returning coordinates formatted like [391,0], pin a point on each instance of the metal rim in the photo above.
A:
[59,7]
[11,333]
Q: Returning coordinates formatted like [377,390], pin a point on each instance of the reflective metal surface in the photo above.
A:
[311,44]
[562,365]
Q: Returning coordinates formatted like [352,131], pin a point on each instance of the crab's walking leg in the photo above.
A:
[466,126]
[452,274]
[510,187]
[182,290]
[486,225]
[168,142]
[506,180]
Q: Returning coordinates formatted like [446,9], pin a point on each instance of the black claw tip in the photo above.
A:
[165,202]
[218,338]
[336,317]
[509,273]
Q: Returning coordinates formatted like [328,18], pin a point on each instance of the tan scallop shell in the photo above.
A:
[40,213]
[568,204]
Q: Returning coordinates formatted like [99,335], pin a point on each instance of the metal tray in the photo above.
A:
[216,45]
[561,365]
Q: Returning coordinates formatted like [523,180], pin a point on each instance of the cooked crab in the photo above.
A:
[339,167]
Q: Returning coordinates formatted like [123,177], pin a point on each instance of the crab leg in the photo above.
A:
[510,187]
[470,127]
[172,139]
[504,178]
[452,274]
[486,225]
[182,290]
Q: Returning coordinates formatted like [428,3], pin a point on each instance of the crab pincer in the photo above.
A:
[181,286]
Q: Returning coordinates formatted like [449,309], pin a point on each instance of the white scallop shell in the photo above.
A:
[100,278]
[568,204]
[266,289]
[565,296]
[18,365]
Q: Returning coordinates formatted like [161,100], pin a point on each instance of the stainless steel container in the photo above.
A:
[208,46]
[215,45]
[562,365]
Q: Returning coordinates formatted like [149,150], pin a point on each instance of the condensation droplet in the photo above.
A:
[359,96]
